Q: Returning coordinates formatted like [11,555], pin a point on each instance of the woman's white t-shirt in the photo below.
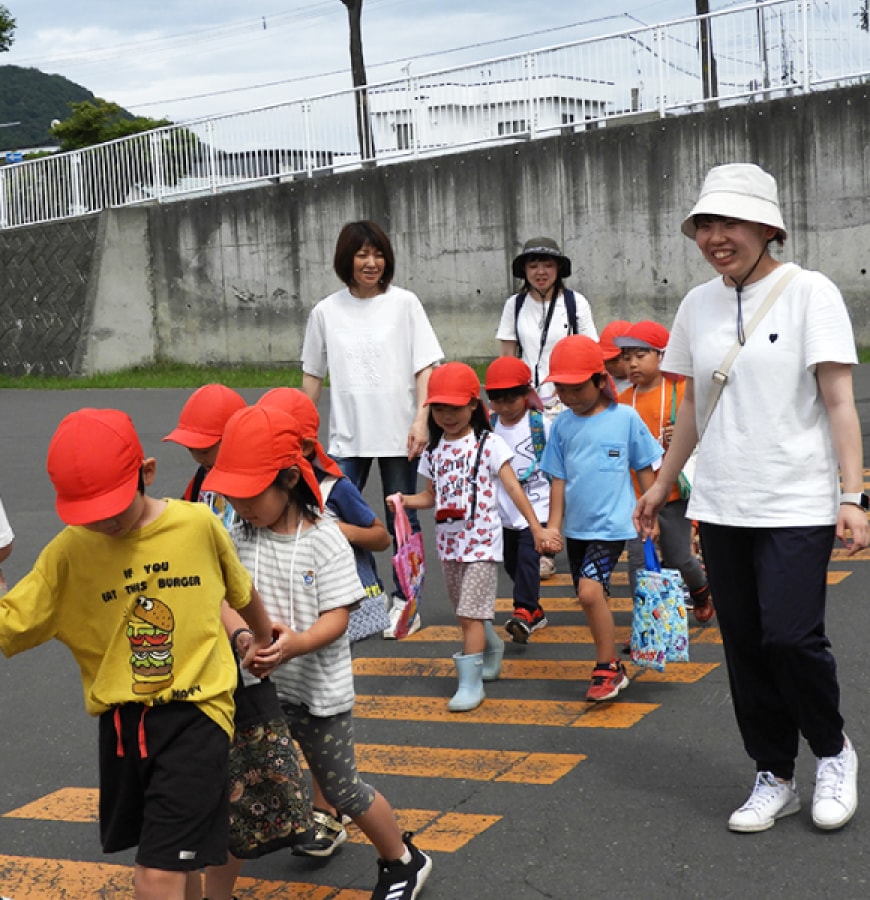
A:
[530,326]
[767,457]
[373,350]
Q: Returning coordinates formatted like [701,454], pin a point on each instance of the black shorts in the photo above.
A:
[593,559]
[164,786]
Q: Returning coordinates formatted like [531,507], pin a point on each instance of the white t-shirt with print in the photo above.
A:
[767,458]
[372,350]
[449,467]
[298,580]
[536,486]
[530,326]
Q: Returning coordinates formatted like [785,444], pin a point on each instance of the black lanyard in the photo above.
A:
[545,330]
[474,469]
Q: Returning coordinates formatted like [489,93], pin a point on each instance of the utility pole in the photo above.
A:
[762,48]
[709,78]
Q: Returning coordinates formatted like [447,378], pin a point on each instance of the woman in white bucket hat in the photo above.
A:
[766,491]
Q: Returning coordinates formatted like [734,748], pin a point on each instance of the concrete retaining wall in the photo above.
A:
[231,278]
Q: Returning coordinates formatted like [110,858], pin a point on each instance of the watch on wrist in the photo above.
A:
[859,499]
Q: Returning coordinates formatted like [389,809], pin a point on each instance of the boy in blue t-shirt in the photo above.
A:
[592,448]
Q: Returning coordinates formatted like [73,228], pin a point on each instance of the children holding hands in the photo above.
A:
[462,465]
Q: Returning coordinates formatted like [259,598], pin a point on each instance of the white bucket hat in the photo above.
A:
[738,191]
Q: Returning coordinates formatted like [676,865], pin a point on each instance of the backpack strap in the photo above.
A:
[571,310]
[474,470]
[518,305]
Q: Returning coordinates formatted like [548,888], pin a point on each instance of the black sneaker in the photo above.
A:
[523,623]
[327,835]
[402,881]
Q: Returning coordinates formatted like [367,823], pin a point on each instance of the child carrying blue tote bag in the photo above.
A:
[659,628]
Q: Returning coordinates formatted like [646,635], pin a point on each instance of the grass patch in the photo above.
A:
[173,375]
[163,375]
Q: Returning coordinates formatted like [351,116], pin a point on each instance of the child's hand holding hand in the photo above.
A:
[548,540]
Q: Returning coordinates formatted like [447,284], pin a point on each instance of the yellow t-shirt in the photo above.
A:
[654,407]
[141,614]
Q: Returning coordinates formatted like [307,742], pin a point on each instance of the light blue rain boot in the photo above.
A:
[492,654]
[469,671]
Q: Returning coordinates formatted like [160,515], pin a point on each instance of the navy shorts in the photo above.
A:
[164,786]
[593,559]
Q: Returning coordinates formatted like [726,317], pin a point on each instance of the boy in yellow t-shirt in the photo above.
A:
[134,587]
[656,398]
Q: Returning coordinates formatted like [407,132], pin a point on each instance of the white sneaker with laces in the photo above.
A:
[395,612]
[770,800]
[835,797]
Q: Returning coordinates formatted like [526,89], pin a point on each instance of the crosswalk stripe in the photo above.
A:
[527,670]
[556,634]
[434,829]
[562,714]
[518,767]
[36,878]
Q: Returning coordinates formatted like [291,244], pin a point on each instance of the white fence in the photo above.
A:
[751,52]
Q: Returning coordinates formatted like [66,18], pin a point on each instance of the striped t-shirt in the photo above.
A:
[299,580]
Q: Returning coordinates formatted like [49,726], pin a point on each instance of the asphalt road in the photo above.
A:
[534,795]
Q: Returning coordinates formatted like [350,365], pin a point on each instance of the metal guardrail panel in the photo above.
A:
[759,50]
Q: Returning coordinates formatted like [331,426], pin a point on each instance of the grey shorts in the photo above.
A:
[471,587]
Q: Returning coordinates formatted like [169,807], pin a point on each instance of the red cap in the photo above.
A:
[507,372]
[258,442]
[203,417]
[575,359]
[303,410]
[454,384]
[646,334]
[608,333]
[94,460]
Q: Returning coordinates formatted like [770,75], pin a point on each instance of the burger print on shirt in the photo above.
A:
[149,631]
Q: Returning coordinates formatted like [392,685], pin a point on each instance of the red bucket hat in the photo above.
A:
[454,384]
[202,419]
[507,372]
[258,442]
[94,460]
[608,333]
[646,334]
[303,410]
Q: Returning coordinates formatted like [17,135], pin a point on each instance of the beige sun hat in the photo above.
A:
[738,191]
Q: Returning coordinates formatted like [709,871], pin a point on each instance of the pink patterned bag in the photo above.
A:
[410,565]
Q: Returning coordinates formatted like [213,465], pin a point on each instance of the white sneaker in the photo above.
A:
[770,800]
[547,567]
[395,612]
[835,798]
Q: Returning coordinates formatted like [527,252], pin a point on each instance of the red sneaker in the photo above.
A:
[607,681]
[523,622]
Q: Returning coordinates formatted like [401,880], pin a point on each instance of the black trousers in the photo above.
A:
[769,589]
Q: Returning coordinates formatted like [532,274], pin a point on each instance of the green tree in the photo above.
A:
[7,29]
[99,122]
[358,73]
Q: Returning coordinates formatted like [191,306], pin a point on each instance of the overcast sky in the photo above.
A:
[152,55]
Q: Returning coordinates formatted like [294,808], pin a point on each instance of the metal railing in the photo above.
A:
[756,51]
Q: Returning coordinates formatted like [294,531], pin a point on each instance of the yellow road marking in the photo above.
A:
[840,553]
[435,830]
[564,604]
[837,577]
[525,670]
[34,878]
[559,634]
[519,767]
[571,714]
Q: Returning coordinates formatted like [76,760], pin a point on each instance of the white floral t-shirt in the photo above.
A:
[449,467]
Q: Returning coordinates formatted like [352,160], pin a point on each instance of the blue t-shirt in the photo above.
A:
[348,505]
[594,456]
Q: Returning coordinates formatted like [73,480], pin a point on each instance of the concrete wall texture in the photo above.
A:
[231,278]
